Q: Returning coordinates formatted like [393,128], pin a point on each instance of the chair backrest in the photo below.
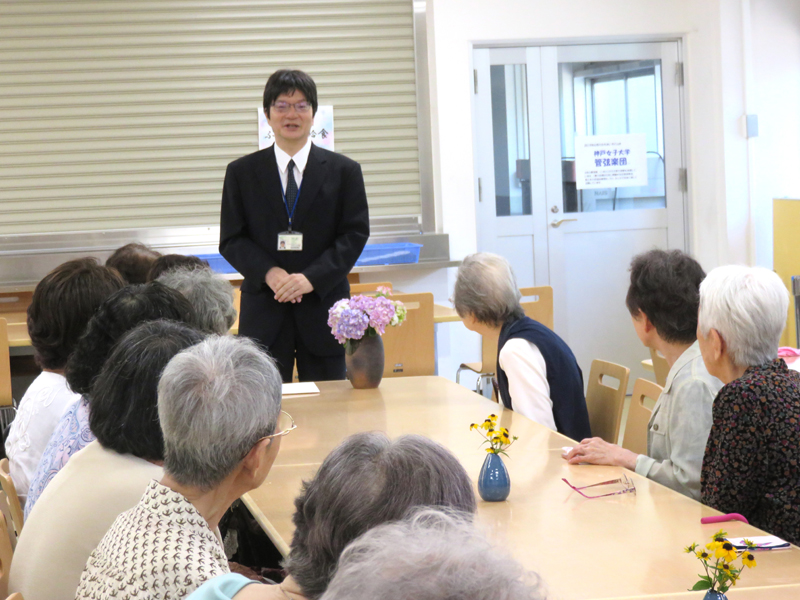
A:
[604,401]
[660,367]
[360,288]
[539,306]
[9,491]
[5,366]
[6,551]
[635,435]
[409,349]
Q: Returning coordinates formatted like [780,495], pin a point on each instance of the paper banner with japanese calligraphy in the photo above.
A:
[610,161]
[321,130]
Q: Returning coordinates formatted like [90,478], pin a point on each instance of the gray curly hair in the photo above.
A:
[431,554]
[210,295]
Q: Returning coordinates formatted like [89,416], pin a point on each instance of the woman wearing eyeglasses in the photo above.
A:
[219,406]
[107,477]
[294,221]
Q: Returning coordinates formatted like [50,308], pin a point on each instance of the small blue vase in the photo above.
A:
[714,595]
[494,484]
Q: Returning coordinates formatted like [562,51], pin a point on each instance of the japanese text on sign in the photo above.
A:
[603,161]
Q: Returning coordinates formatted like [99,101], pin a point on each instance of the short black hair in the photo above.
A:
[286,81]
[168,262]
[133,261]
[119,314]
[665,286]
[62,304]
[123,408]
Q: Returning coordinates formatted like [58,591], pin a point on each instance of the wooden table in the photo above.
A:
[445,314]
[624,546]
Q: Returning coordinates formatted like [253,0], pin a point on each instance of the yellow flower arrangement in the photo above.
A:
[498,438]
[717,559]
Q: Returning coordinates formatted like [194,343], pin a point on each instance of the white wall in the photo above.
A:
[717,148]
[732,67]
[776,59]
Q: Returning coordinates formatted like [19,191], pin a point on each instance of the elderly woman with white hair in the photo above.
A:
[537,372]
[432,555]
[210,295]
[752,459]
[219,404]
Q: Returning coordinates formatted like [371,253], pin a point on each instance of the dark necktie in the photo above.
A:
[291,187]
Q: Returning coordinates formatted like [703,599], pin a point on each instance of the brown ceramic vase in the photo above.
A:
[365,362]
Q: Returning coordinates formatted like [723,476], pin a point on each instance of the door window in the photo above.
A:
[510,133]
[612,98]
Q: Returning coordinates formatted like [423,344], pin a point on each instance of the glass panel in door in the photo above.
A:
[510,133]
[618,99]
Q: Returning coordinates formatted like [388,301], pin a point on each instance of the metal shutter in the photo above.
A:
[122,114]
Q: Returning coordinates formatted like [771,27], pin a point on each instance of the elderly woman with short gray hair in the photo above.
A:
[210,295]
[433,555]
[537,372]
[752,460]
[366,481]
[219,404]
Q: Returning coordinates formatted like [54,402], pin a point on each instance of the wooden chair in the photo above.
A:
[7,543]
[660,367]
[410,348]
[360,288]
[635,436]
[539,308]
[605,402]
[9,490]
[5,366]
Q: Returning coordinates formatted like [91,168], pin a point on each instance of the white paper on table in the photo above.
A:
[762,542]
[293,389]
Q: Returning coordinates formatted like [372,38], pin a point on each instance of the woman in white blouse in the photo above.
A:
[537,372]
[62,304]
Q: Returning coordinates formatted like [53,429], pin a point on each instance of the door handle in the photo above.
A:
[558,223]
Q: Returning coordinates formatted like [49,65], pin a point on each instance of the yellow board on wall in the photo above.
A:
[786,261]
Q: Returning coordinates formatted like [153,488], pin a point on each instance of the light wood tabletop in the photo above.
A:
[445,314]
[623,546]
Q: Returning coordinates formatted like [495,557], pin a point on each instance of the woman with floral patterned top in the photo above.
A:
[752,459]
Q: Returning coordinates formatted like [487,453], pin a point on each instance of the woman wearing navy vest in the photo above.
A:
[537,372]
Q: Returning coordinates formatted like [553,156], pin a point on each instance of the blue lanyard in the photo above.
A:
[286,203]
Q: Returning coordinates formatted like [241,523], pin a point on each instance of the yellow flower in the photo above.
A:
[749,559]
[726,551]
[487,424]
[716,540]
[473,426]
[490,450]
[690,549]
[493,418]
[703,555]
[504,437]
[726,567]
[749,543]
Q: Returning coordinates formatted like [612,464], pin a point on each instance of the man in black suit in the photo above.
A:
[294,221]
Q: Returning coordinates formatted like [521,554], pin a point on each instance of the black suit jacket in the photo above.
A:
[331,214]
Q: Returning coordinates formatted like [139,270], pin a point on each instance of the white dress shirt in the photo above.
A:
[525,368]
[678,430]
[300,160]
[40,410]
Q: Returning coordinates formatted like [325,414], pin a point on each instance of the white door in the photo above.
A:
[601,97]
[587,219]
[509,160]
